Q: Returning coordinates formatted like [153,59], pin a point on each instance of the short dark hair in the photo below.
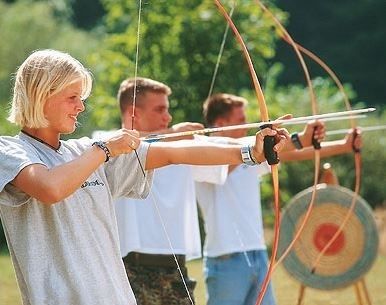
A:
[221,105]
[142,86]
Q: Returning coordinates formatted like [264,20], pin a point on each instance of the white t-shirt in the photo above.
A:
[171,206]
[172,197]
[68,252]
[232,211]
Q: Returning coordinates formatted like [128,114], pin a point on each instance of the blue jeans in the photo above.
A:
[236,279]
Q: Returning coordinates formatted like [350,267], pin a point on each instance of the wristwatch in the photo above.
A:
[296,141]
[247,155]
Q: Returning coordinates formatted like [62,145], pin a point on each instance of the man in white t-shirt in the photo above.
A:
[235,256]
[165,223]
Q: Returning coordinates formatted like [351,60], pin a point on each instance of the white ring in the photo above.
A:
[132,144]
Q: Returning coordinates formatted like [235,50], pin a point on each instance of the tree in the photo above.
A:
[181,51]
[178,45]
[21,33]
[348,35]
[294,99]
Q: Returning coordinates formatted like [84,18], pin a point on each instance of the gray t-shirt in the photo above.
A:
[68,252]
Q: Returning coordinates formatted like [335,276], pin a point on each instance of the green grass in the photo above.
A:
[286,288]
[9,292]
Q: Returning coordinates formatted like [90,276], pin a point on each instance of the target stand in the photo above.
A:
[347,259]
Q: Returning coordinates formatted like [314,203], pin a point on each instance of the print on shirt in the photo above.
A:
[92,183]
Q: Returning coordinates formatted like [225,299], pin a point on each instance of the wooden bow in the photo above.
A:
[298,48]
[274,167]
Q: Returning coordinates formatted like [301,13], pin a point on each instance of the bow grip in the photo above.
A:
[355,135]
[315,142]
[269,143]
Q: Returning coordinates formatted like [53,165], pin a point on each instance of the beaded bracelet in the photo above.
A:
[102,145]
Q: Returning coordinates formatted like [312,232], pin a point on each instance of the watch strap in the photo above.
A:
[296,141]
[247,155]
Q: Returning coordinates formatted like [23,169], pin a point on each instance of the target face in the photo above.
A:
[352,253]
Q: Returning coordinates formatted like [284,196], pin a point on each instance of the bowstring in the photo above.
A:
[136,64]
[135,82]
[357,157]
[220,53]
[314,111]
[140,163]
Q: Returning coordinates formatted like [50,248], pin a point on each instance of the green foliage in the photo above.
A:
[373,163]
[178,45]
[87,14]
[22,30]
[296,176]
[348,35]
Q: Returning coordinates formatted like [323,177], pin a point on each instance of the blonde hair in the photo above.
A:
[43,74]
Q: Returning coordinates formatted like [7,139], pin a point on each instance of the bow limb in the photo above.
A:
[284,33]
[357,156]
[288,38]
[330,72]
[274,167]
[256,83]
[358,170]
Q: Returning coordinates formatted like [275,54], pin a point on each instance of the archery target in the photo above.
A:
[380,220]
[348,258]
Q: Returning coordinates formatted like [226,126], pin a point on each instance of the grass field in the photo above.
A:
[286,288]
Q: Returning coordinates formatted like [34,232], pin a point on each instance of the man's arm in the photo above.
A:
[180,127]
[328,149]
[197,153]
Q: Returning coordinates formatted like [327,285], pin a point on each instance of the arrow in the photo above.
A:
[332,116]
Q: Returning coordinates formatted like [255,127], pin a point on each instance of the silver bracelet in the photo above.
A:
[251,154]
[247,155]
